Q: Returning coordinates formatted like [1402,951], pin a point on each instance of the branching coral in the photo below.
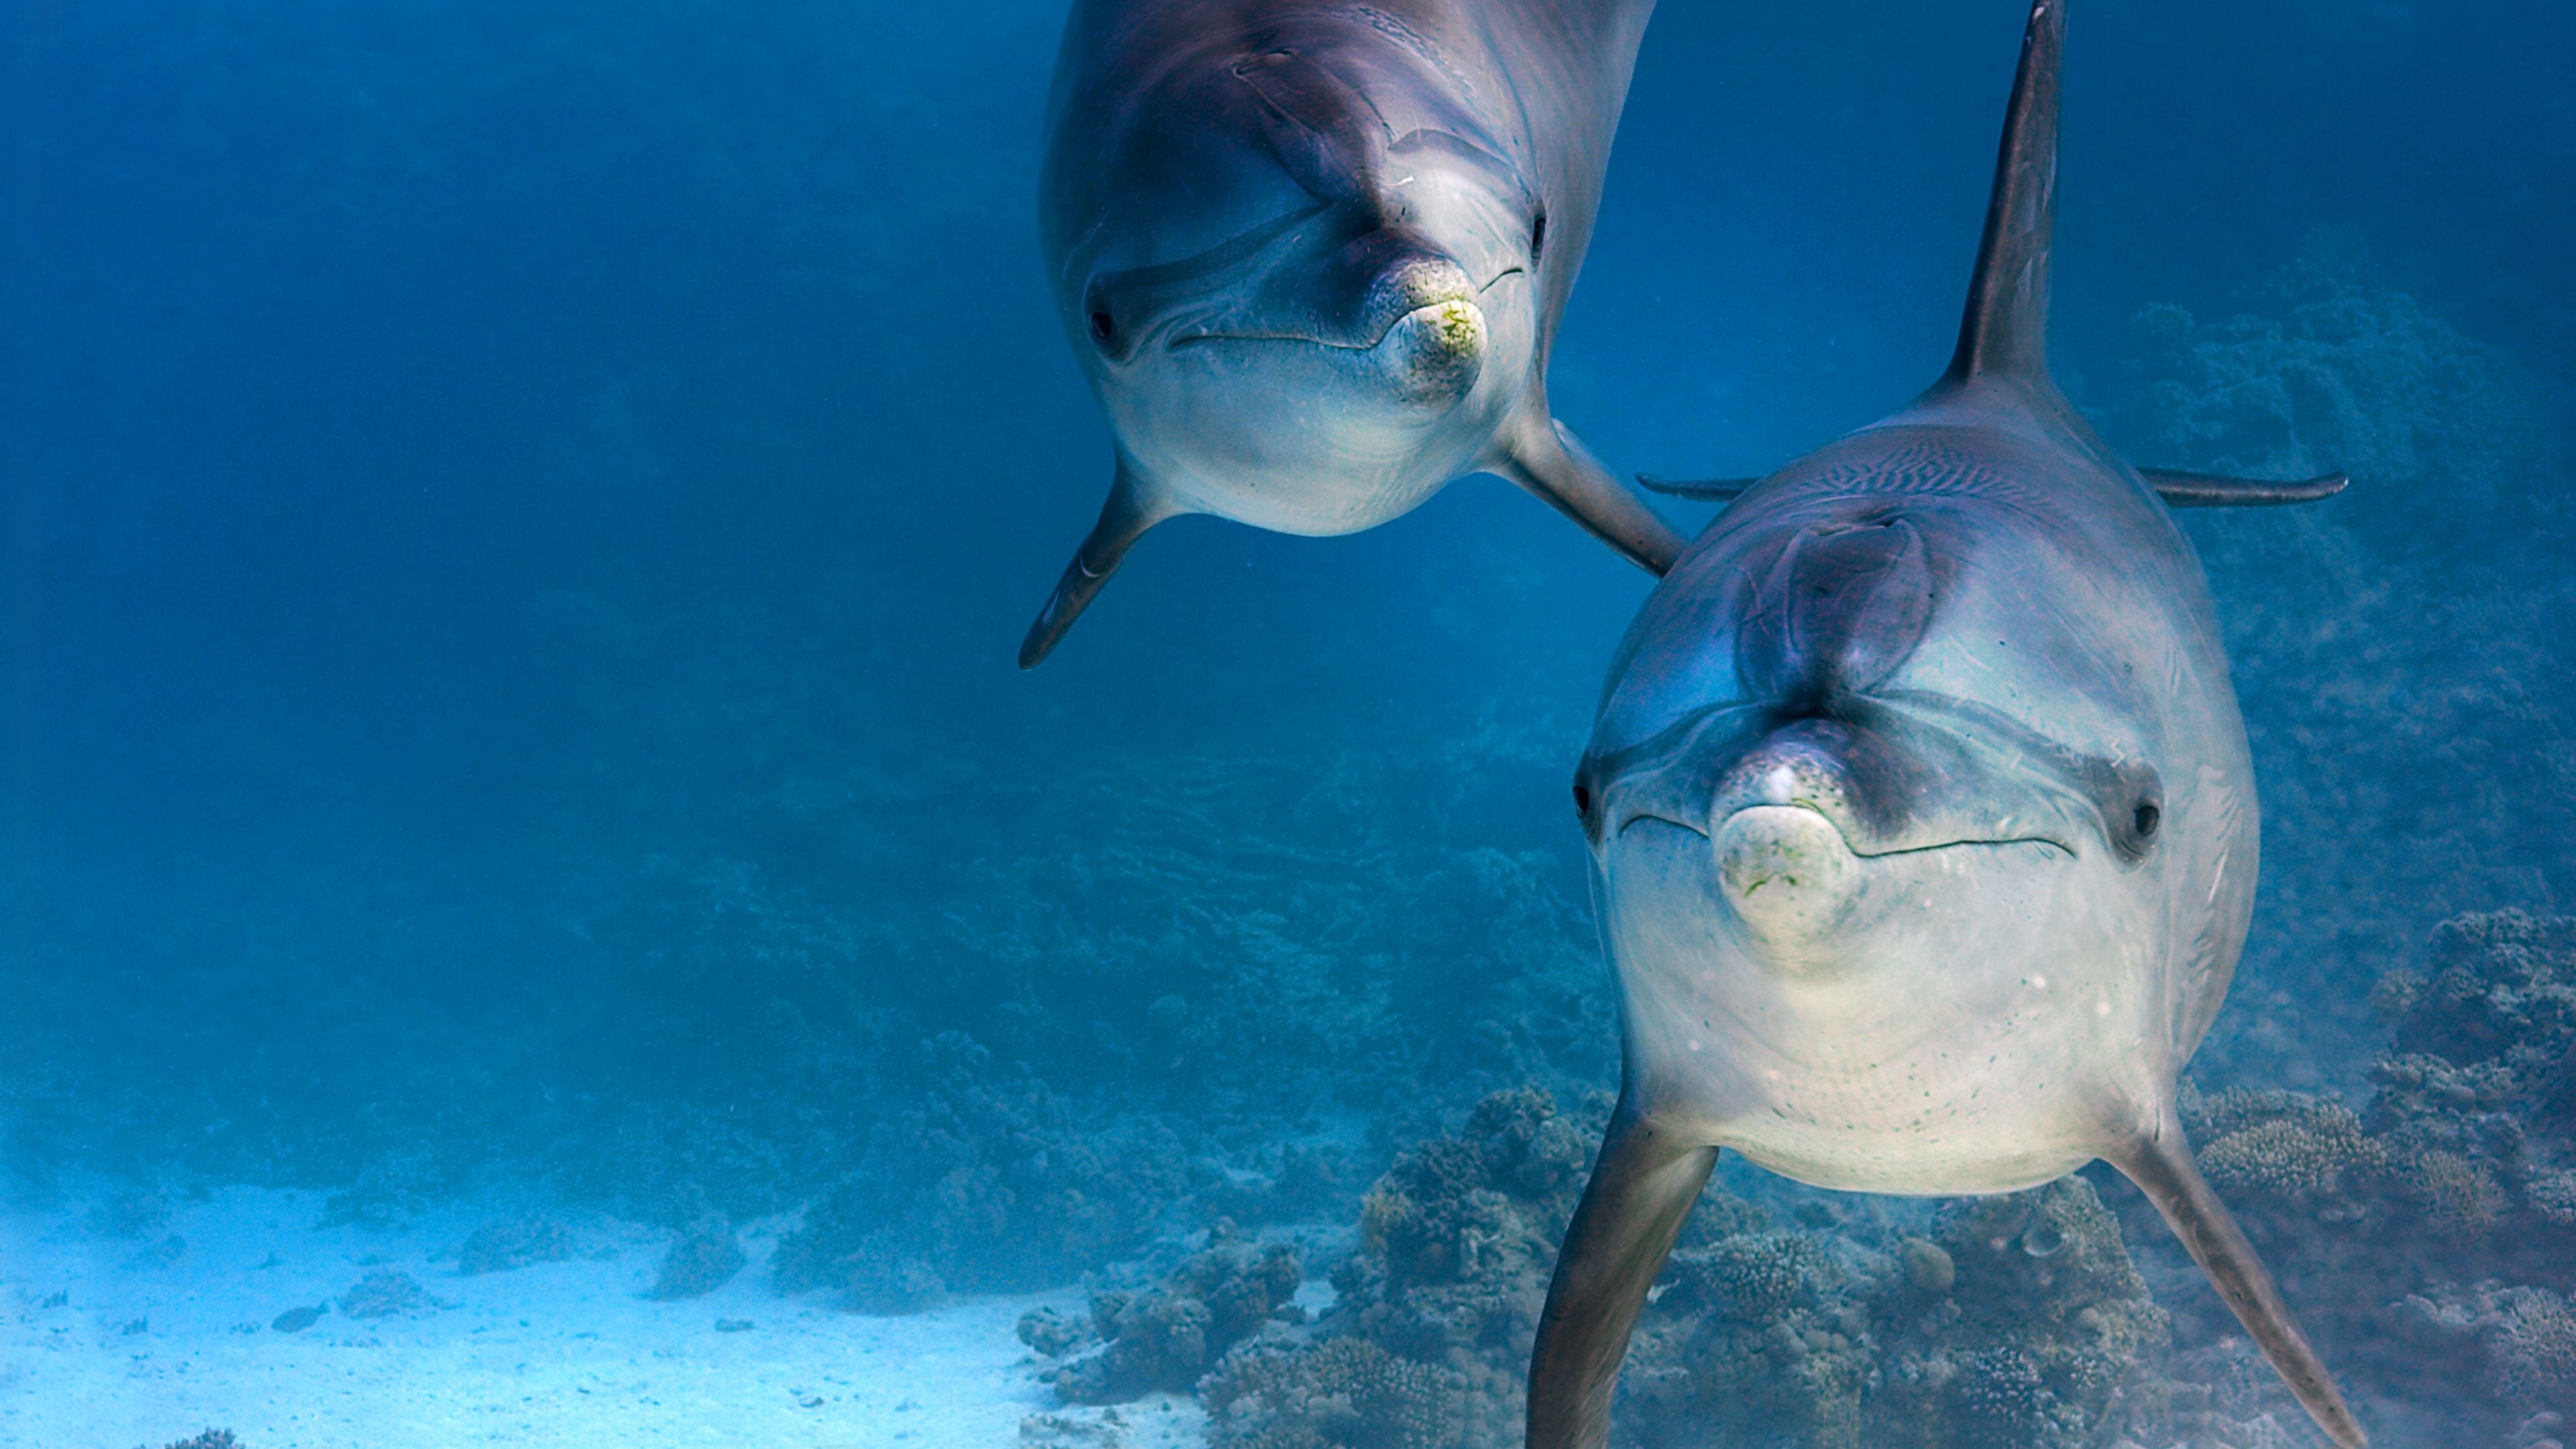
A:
[2459,1173]
[1425,1345]
[2287,1148]
[2502,991]
[2014,1325]
[1341,1393]
[1167,1337]
[2535,1349]
[2020,1316]
[1766,1332]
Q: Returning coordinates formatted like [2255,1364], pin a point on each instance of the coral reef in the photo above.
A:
[2431,1238]
[702,1261]
[385,1293]
[2342,370]
[1426,1339]
[1340,1393]
[989,1173]
[1167,1337]
[2012,1324]
[1457,1239]
[507,1243]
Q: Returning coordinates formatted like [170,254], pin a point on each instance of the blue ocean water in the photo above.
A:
[514,520]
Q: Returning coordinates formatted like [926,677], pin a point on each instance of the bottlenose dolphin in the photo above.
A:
[1922,825]
[1311,256]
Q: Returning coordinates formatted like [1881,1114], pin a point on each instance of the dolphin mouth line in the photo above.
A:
[1186,339]
[2057,847]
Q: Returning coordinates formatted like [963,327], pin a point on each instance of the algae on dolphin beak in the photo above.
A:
[1434,353]
[1459,326]
[1785,870]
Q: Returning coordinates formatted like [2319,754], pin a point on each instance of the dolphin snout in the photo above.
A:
[1432,355]
[1808,764]
[1401,280]
[1786,872]
[1424,327]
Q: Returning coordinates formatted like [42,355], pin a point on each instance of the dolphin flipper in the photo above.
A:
[2214,490]
[2160,1163]
[1543,456]
[1123,520]
[1642,1188]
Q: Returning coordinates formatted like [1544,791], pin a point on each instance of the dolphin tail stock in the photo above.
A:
[1543,456]
[2180,489]
[2160,1162]
[1123,520]
[1642,1187]
[1701,490]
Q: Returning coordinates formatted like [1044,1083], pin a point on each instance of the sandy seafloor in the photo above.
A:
[564,1355]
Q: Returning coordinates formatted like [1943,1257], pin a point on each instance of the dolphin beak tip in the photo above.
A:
[1434,354]
[1785,870]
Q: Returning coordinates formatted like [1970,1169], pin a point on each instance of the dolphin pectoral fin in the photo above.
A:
[1543,457]
[1642,1188]
[1706,490]
[2216,490]
[1123,520]
[2159,1161]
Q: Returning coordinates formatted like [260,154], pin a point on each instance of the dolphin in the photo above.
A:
[1311,256]
[1922,825]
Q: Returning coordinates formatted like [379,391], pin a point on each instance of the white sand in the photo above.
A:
[566,1355]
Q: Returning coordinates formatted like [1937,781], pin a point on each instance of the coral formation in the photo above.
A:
[2292,1149]
[989,1173]
[2431,1239]
[385,1293]
[1167,1337]
[507,1243]
[2344,371]
[1340,1393]
[2012,1324]
[701,1262]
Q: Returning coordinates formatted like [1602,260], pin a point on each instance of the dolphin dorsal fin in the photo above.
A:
[2005,331]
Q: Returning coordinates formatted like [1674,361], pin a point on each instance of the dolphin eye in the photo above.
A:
[1538,236]
[1582,799]
[2131,798]
[1103,327]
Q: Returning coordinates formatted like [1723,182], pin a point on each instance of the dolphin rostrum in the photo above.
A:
[1311,256]
[1922,824]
